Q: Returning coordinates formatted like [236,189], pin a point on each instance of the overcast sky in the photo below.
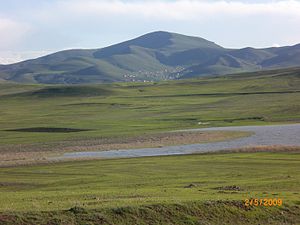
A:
[36,27]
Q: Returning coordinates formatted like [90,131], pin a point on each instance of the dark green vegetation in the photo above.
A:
[47,130]
[151,57]
[130,109]
[217,213]
[190,189]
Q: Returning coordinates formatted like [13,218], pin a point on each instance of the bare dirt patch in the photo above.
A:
[229,188]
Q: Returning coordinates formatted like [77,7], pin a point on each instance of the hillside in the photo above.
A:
[151,57]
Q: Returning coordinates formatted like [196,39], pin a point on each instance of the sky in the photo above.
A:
[32,28]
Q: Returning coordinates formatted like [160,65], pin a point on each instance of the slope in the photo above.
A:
[151,57]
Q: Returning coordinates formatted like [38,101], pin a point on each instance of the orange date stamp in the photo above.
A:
[263,202]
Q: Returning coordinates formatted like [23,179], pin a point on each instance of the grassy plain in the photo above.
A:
[190,189]
[131,109]
[189,181]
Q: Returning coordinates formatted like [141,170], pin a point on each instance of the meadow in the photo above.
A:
[48,114]
[187,189]
[118,188]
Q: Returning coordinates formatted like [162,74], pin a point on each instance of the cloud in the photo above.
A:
[59,24]
[229,23]
[8,57]
[180,9]
[276,45]
[12,33]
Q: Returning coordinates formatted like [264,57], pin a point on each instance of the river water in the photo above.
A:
[288,135]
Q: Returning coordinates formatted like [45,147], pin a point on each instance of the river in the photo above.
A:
[287,135]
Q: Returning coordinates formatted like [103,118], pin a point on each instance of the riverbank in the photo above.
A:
[271,135]
[24,154]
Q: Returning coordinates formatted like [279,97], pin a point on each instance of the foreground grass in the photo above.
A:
[217,213]
[189,189]
[151,180]
[47,114]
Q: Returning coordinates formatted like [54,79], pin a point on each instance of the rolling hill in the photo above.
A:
[151,57]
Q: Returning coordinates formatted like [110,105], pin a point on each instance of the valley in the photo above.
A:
[41,122]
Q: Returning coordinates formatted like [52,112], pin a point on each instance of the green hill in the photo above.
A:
[151,57]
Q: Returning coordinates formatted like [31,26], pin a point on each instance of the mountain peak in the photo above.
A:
[158,33]
[153,56]
[170,39]
[160,41]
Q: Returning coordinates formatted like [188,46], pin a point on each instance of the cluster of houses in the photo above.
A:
[150,76]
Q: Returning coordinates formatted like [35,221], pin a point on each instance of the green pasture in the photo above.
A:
[129,109]
[151,180]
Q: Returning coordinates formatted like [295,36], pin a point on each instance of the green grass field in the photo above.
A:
[138,182]
[189,189]
[129,109]
[126,182]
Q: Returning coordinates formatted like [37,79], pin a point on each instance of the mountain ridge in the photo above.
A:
[154,56]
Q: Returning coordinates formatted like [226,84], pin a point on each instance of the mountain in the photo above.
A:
[151,57]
